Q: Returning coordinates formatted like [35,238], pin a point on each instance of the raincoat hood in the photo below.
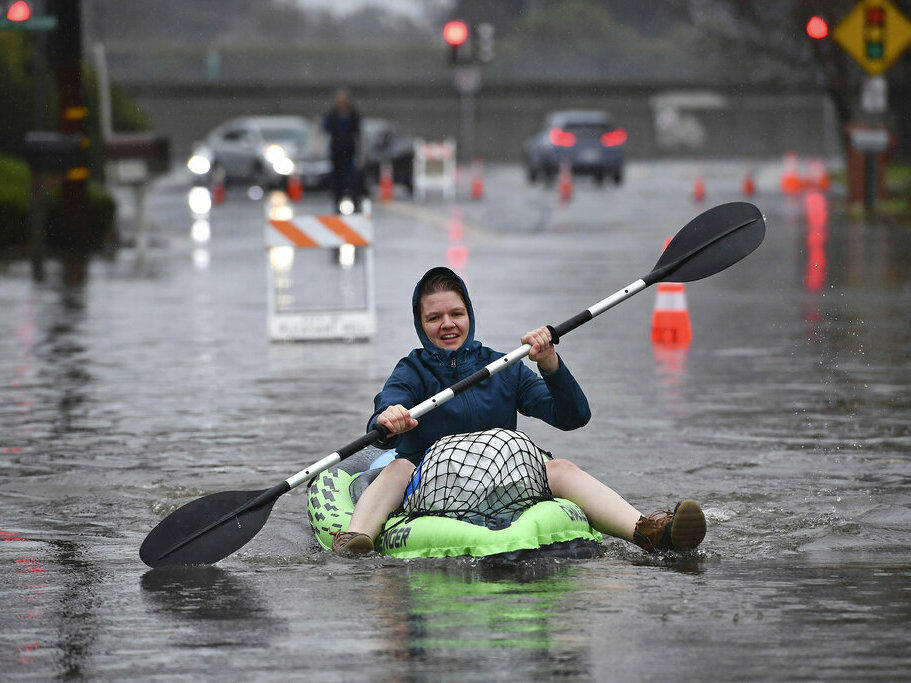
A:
[443,355]
[496,402]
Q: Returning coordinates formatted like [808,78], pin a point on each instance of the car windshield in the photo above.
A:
[299,135]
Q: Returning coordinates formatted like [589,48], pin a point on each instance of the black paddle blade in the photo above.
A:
[167,544]
[712,241]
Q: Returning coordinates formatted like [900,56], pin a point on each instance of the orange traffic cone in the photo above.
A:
[671,317]
[386,182]
[566,182]
[218,191]
[790,179]
[699,189]
[295,188]
[819,177]
[477,179]
[749,187]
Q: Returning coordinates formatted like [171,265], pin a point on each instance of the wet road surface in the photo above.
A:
[788,418]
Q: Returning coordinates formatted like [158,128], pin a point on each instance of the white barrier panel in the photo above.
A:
[320,276]
[434,168]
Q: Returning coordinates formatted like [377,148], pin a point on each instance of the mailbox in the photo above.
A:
[135,157]
[50,151]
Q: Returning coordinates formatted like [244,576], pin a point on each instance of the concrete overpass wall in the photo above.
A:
[711,121]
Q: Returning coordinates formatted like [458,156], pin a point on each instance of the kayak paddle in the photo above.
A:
[210,528]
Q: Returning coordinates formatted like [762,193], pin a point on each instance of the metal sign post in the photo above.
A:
[874,98]
[874,33]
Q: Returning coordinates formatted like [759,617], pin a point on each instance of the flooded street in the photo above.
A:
[788,418]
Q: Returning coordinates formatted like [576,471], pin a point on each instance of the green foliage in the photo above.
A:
[14,197]
[581,39]
[16,113]
[898,187]
[570,22]
[30,98]
[101,221]
[30,103]
[15,200]
[898,176]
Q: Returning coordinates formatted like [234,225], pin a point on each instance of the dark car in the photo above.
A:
[587,140]
[382,143]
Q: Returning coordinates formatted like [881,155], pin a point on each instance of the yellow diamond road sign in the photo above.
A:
[875,33]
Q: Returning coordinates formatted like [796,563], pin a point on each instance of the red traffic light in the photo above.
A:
[875,15]
[19,11]
[817,28]
[455,33]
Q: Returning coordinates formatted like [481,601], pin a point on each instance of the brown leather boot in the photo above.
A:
[351,543]
[682,529]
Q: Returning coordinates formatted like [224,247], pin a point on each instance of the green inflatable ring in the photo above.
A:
[333,493]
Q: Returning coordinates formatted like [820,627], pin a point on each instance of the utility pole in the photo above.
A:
[65,48]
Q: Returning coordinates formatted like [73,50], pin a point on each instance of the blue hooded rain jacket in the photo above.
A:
[557,398]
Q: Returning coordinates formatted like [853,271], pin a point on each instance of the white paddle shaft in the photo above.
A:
[493,368]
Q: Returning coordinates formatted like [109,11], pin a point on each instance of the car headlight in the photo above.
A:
[199,164]
[283,166]
[274,154]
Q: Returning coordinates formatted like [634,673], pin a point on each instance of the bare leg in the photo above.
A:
[603,506]
[384,495]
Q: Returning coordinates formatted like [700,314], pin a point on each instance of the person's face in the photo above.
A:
[341,100]
[444,318]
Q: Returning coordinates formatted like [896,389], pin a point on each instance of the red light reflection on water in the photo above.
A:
[817,213]
[28,596]
[456,229]
[9,535]
[24,649]
[29,565]
[457,253]
[671,362]
[457,256]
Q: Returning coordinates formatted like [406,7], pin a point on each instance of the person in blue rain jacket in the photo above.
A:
[445,324]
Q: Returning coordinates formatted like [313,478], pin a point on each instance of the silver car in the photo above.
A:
[264,151]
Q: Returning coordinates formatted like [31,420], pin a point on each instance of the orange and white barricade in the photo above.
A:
[434,168]
[320,276]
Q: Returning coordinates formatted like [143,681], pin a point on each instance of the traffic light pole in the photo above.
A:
[468,82]
[467,127]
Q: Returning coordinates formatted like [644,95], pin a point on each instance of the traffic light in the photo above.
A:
[817,28]
[455,33]
[485,34]
[18,11]
[874,31]
[21,16]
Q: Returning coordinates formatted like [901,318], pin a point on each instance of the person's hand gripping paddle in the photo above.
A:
[210,528]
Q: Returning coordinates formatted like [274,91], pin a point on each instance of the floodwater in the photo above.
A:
[788,417]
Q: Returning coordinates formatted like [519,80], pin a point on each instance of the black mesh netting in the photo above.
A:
[486,478]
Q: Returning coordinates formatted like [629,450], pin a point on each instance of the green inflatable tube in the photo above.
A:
[556,524]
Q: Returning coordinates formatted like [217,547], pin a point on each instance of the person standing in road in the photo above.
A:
[343,124]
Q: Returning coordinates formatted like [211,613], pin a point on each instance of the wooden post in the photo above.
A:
[65,48]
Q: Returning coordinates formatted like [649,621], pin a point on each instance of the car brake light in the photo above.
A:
[561,138]
[614,138]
